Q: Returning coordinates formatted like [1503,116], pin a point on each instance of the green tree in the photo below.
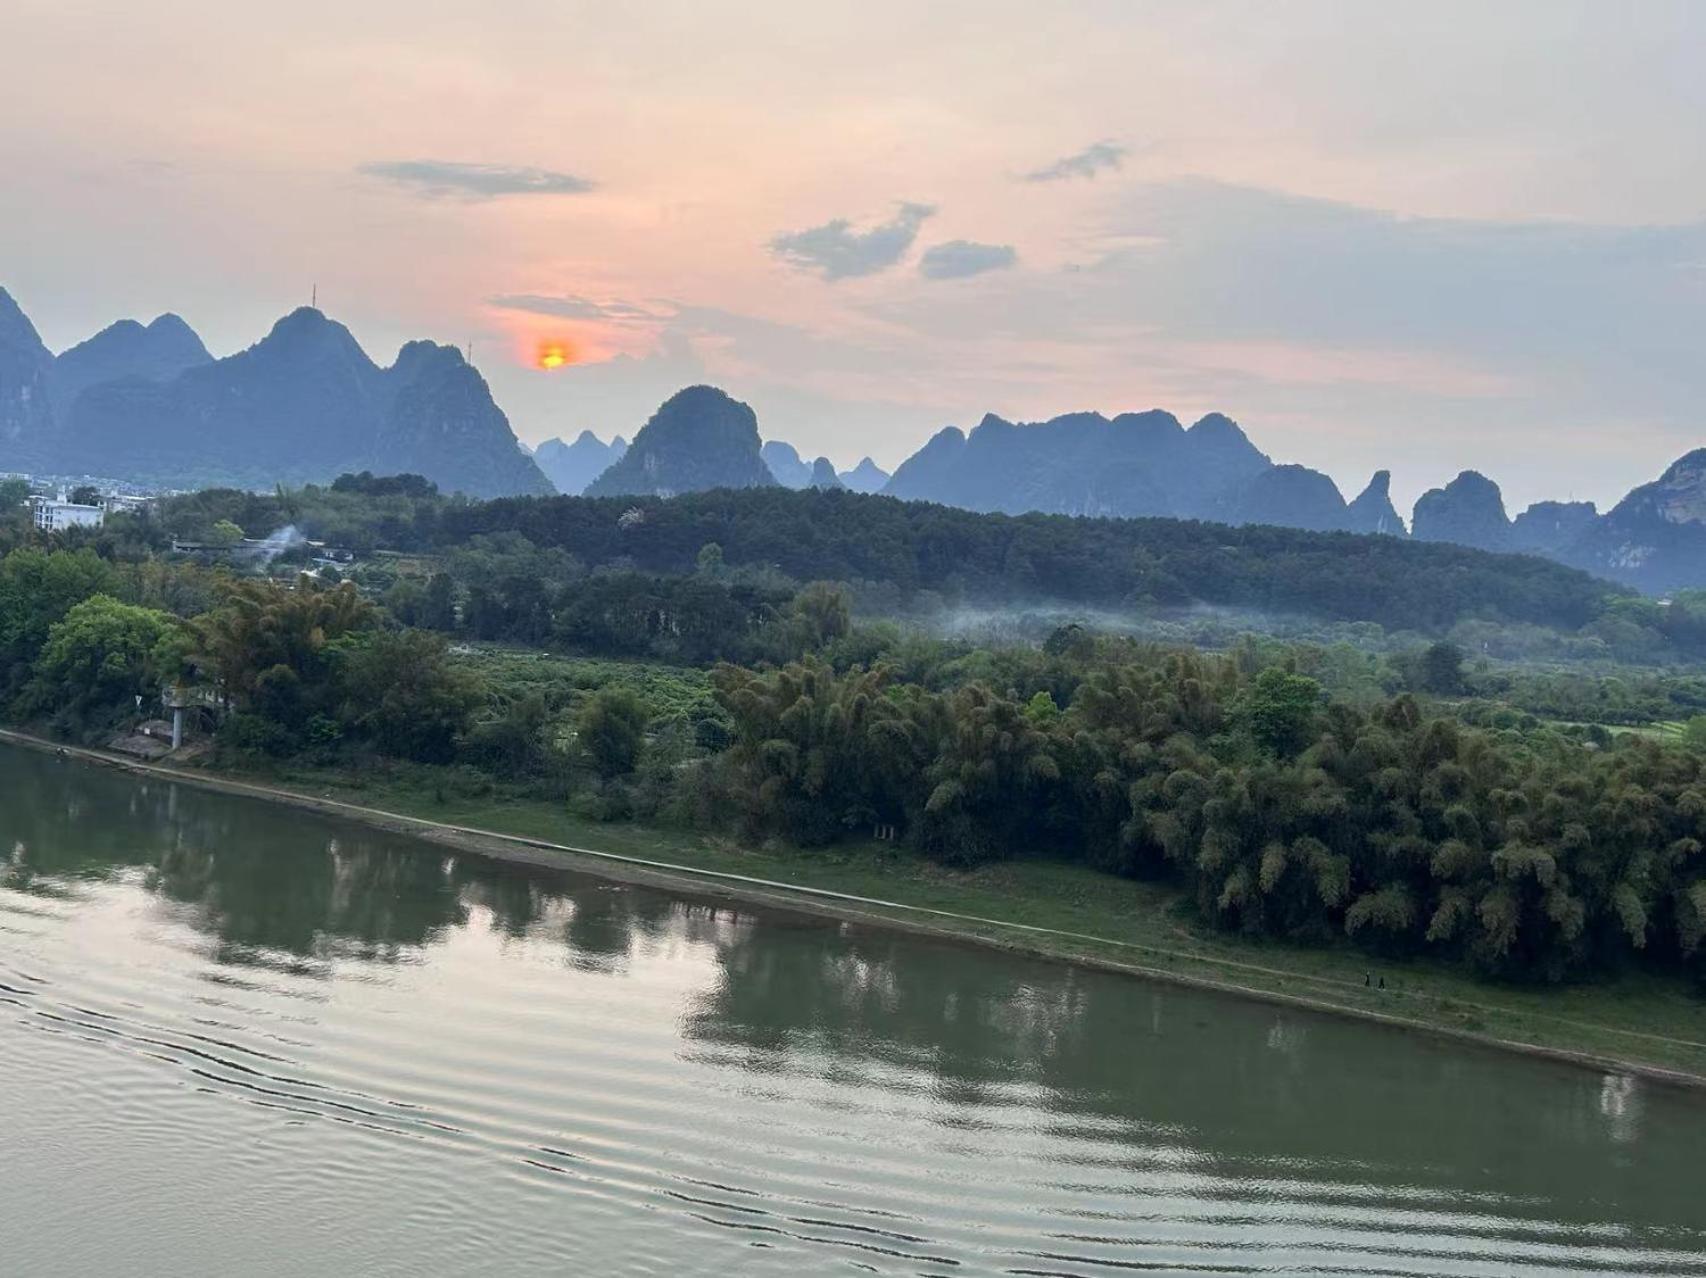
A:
[823,610]
[13,494]
[37,589]
[1278,711]
[400,690]
[1442,669]
[86,495]
[105,653]
[225,533]
[438,608]
[710,561]
[611,730]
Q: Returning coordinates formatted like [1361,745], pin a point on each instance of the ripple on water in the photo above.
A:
[631,1083]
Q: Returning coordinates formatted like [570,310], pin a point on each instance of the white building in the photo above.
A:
[52,515]
[124,503]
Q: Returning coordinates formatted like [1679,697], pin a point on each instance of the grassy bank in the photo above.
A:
[1638,1020]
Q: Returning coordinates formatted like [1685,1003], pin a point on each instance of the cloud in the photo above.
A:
[837,252]
[957,259]
[439,179]
[1082,164]
[570,306]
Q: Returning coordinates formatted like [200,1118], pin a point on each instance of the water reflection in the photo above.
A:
[1069,1120]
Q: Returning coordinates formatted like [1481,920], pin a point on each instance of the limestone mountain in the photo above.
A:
[1469,510]
[1373,511]
[823,475]
[786,464]
[441,422]
[699,439]
[1552,527]
[866,477]
[154,352]
[302,405]
[26,409]
[1289,496]
[1655,538]
[1084,464]
[571,467]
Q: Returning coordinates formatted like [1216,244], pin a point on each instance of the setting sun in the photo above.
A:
[554,355]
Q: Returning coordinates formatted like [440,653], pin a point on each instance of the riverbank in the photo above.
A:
[1633,1024]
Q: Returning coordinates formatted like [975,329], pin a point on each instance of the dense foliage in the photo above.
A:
[1407,801]
[907,548]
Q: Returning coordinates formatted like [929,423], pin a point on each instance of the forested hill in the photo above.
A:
[983,558]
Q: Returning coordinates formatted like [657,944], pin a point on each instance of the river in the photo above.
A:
[237,1038]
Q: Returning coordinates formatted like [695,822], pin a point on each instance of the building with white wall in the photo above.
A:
[55,514]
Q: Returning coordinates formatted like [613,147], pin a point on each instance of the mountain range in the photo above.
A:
[1151,464]
[304,404]
[571,467]
[149,403]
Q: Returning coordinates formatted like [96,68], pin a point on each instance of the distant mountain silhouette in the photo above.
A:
[571,467]
[699,439]
[26,406]
[823,475]
[786,464]
[148,403]
[1084,464]
[156,352]
[1373,511]
[866,477]
[1290,496]
[304,404]
[1469,511]
[1655,538]
[1552,527]
[441,422]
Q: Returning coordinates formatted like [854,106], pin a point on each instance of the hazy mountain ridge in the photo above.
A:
[1655,538]
[26,410]
[304,404]
[699,439]
[866,477]
[155,352]
[1150,464]
[571,467]
[786,465]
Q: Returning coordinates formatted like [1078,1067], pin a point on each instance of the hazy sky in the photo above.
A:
[1425,236]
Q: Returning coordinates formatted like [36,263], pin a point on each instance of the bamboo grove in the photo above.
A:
[1283,813]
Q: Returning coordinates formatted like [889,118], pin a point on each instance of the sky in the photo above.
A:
[1416,236]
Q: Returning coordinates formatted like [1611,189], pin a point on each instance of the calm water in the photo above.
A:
[238,1039]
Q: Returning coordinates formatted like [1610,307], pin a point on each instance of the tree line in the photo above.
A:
[909,549]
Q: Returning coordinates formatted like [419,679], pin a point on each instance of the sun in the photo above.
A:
[553,355]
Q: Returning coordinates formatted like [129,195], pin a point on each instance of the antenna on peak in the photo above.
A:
[314,296]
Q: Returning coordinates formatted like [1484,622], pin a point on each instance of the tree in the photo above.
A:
[86,495]
[1442,669]
[261,624]
[822,608]
[611,729]
[13,494]
[399,689]
[1694,731]
[225,533]
[438,609]
[1278,711]
[37,589]
[710,561]
[105,653]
